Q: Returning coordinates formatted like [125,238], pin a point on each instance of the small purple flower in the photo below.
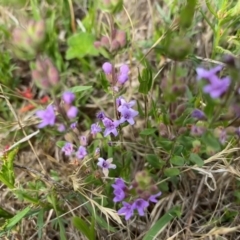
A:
[81,153]
[197,130]
[72,112]
[48,116]
[122,78]
[223,136]
[95,128]
[217,87]
[68,97]
[124,69]
[152,198]
[140,205]
[61,127]
[68,149]
[198,114]
[126,210]
[106,165]
[107,68]
[111,127]
[127,114]
[101,115]
[207,74]
[118,101]
[119,195]
[73,125]
[119,183]
[123,104]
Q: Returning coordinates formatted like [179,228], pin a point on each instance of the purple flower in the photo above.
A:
[152,198]
[67,149]
[119,183]
[81,153]
[223,136]
[72,112]
[119,190]
[126,210]
[107,68]
[123,104]
[61,127]
[127,114]
[198,114]
[197,130]
[106,165]
[217,87]
[48,116]
[119,195]
[140,205]
[111,127]
[207,74]
[73,125]
[118,101]
[122,78]
[95,128]
[68,97]
[101,115]
[124,69]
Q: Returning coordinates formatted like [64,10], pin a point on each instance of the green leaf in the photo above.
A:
[16,219]
[196,159]
[77,89]
[7,174]
[40,223]
[155,161]
[159,226]
[145,80]
[177,160]
[187,13]
[82,226]
[148,131]
[171,172]
[60,144]
[211,141]
[80,45]
[5,214]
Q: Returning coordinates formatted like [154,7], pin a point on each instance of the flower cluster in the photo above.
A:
[48,116]
[116,79]
[80,153]
[45,75]
[215,87]
[126,114]
[141,201]
[117,41]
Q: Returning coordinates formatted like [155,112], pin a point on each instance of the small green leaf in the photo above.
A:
[159,226]
[171,172]
[148,131]
[155,161]
[17,218]
[80,45]
[82,226]
[60,144]
[177,160]
[211,141]
[77,89]
[145,80]
[196,159]
[5,214]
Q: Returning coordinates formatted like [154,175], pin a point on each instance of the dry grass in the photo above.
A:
[204,194]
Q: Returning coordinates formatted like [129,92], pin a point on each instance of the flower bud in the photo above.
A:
[180,109]
[121,38]
[27,41]
[143,179]
[179,48]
